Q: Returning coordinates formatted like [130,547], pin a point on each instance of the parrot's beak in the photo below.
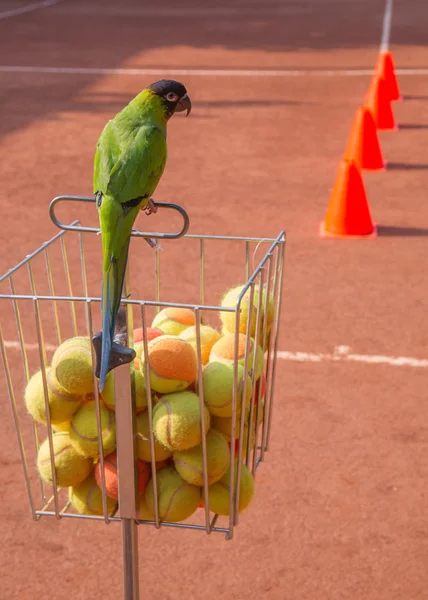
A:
[184,104]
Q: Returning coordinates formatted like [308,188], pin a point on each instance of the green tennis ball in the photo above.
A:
[143,441]
[177,420]
[64,426]
[173,320]
[86,498]
[190,465]
[84,431]
[172,363]
[219,492]
[143,511]
[72,366]
[230,299]
[208,337]
[177,499]
[62,405]
[224,426]
[217,379]
[108,396]
[70,467]
[224,351]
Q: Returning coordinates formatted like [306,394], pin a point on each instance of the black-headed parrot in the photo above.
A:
[129,161]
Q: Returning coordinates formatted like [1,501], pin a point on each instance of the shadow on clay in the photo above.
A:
[394,231]
[398,166]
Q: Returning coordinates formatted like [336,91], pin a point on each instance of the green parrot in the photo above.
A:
[129,161]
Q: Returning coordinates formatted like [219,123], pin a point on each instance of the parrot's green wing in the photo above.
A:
[129,163]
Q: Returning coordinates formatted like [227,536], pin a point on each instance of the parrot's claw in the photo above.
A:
[119,355]
[151,208]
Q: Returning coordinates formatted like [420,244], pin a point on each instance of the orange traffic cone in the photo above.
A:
[363,144]
[385,68]
[379,104]
[348,213]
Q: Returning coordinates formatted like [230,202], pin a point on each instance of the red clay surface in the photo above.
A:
[340,508]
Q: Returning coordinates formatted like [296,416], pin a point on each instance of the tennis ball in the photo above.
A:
[177,498]
[261,383]
[70,467]
[190,464]
[84,431]
[208,337]
[143,441]
[230,299]
[143,511]
[172,364]
[59,427]
[217,379]
[177,421]
[224,351]
[224,425]
[174,320]
[219,492]
[151,334]
[108,396]
[111,477]
[86,498]
[253,429]
[72,365]
[62,405]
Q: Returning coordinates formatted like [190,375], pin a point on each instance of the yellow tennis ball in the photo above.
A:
[230,299]
[62,405]
[143,511]
[108,396]
[60,427]
[177,420]
[208,336]
[172,364]
[143,441]
[217,379]
[190,465]
[177,498]
[84,431]
[219,492]
[224,426]
[224,351]
[70,467]
[72,365]
[173,320]
[86,498]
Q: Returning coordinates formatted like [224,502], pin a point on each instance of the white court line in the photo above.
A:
[203,72]
[343,354]
[28,8]
[340,353]
[386,27]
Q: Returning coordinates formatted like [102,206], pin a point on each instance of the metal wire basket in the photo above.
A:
[53,294]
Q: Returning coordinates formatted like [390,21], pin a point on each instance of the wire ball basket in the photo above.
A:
[54,295]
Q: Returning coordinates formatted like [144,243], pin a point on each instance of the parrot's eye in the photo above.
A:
[171,97]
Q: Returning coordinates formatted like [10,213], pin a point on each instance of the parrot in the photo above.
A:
[129,161]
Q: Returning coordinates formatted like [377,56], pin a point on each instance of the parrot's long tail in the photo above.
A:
[113,279]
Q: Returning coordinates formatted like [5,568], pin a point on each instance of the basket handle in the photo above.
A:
[143,234]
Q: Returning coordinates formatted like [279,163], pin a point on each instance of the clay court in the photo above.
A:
[340,509]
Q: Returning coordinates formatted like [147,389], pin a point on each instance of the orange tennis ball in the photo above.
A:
[208,337]
[111,477]
[224,351]
[173,320]
[151,334]
[172,364]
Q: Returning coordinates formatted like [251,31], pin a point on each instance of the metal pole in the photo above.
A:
[128,490]
[130,559]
